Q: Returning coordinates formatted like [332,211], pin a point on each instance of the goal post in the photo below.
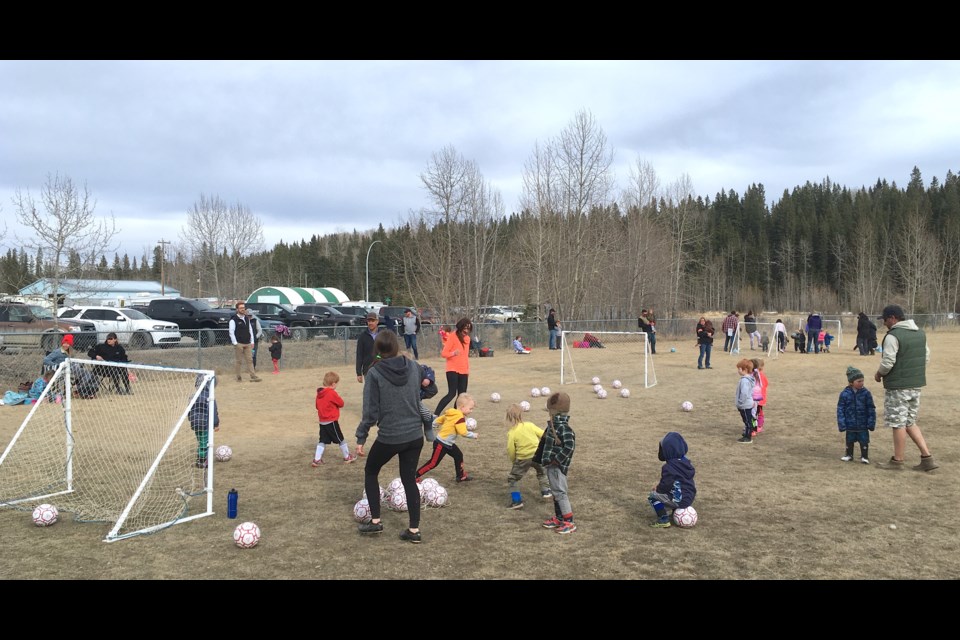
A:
[623,355]
[114,443]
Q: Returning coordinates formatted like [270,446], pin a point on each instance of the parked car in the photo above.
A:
[301,324]
[351,311]
[429,315]
[331,319]
[270,327]
[132,327]
[34,326]
[503,314]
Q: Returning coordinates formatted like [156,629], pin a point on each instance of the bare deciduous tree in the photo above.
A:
[66,231]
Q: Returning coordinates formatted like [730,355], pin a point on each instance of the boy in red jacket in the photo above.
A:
[328,410]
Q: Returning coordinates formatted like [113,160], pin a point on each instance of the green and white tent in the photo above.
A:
[298,295]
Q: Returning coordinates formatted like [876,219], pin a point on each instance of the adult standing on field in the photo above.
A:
[365,353]
[704,341]
[750,324]
[646,324]
[729,328]
[554,328]
[456,351]
[903,371]
[411,327]
[242,337]
[865,329]
[814,324]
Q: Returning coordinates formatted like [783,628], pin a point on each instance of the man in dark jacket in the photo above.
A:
[365,353]
[676,489]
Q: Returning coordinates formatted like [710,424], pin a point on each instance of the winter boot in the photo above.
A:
[926,464]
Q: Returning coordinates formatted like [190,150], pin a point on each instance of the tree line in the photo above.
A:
[583,244]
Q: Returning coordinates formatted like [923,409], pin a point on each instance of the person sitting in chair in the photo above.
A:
[112,351]
[518,346]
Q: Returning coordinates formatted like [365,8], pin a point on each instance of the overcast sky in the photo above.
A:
[317,147]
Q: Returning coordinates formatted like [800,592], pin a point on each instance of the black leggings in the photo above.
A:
[439,451]
[457,384]
[379,455]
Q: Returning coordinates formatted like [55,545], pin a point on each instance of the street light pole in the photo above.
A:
[163,255]
[367,298]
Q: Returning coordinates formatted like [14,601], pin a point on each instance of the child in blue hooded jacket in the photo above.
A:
[856,415]
[676,489]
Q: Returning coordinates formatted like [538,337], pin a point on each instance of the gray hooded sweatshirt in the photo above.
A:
[391,400]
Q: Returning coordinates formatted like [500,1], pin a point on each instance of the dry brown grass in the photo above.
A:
[783,507]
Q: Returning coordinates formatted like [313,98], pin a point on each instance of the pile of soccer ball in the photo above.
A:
[395,498]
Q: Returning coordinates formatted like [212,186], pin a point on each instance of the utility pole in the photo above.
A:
[163,258]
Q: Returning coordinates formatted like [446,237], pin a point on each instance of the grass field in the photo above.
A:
[784,507]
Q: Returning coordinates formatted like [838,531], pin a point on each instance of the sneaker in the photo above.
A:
[466,478]
[317,462]
[745,440]
[660,524]
[552,523]
[759,429]
[516,505]
[370,527]
[709,367]
[410,536]
[753,434]
[700,367]
[546,495]
[349,459]
[864,461]
[847,458]
[567,527]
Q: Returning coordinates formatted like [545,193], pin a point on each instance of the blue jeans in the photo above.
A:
[554,335]
[812,343]
[410,341]
[704,349]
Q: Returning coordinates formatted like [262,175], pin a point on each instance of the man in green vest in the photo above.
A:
[903,370]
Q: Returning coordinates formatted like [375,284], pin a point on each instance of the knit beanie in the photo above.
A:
[853,374]
[68,340]
[558,403]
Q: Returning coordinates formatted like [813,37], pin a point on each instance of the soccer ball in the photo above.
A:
[624,393]
[471,424]
[597,388]
[525,405]
[535,393]
[616,384]
[685,518]
[395,486]
[494,397]
[223,453]
[429,483]
[673,349]
[595,380]
[436,496]
[45,515]
[687,406]
[602,394]
[382,492]
[398,500]
[545,391]
[361,511]
[246,535]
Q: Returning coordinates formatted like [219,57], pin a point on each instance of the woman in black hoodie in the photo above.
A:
[391,400]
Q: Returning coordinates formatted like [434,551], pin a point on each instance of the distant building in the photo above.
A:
[108,293]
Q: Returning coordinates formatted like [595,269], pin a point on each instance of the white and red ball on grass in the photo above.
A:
[685,518]
[45,515]
[595,380]
[624,393]
[602,394]
[535,392]
[223,453]
[361,511]
[246,535]
[616,384]
[545,391]
[687,406]
[494,397]
[471,424]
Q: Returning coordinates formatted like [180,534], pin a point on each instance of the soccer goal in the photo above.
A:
[608,355]
[113,443]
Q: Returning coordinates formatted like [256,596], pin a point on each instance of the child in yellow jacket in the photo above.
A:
[522,441]
[453,423]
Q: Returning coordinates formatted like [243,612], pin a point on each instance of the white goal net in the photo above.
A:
[124,444]
[608,355]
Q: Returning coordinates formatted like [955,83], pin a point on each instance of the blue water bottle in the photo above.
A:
[232,498]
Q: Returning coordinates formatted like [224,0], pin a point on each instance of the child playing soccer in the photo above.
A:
[276,350]
[453,423]
[856,415]
[199,416]
[556,452]
[744,399]
[329,404]
[522,440]
[676,489]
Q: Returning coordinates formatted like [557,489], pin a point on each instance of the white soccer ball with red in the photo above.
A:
[395,485]
[494,397]
[685,518]
[624,393]
[45,515]
[535,392]
[525,405]
[361,511]
[429,483]
[246,535]
[398,500]
[597,388]
[595,380]
[223,453]
[616,384]
[602,394]
[687,406]
[471,424]
[435,496]
[545,391]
